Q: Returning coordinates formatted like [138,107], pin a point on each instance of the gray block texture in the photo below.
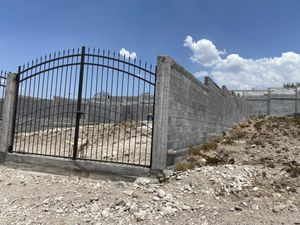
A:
[193,111]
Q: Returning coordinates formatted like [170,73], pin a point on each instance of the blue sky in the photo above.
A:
[249,29]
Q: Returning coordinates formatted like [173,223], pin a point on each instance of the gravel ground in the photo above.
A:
[254,183]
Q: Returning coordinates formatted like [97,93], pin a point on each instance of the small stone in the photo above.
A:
[136,194]
[255,207]
[59,198]
[81,210]
[155,198]
[168,173]
[133,209]
[278,208]
[95,208]
[186,207]
[59,211]
[169,210]
[244,204]
[178,177]
[46,201]
[120,202]
[142,181]
[237,208]
[94,199]
[255,189]
[140,216]
[105,213]
[275,210]
[161,193]
[127,192]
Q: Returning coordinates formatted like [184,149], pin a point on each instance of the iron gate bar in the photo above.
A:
[127,72]
[78,113]
[121,61]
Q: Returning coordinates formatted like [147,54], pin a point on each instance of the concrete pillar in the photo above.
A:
[160,132]
[9,107]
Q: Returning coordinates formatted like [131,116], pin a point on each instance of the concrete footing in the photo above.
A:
[91,169]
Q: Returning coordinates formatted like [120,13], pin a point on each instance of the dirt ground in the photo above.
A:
[251,175]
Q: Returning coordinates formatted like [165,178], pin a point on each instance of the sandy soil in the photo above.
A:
[256,180]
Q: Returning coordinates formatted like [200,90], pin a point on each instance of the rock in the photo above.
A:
[275,210]
[95,208]
[81,210]
[244,204]
[59,198]
[127,192]
[237,208]
[136,194]
[278,208]
[133,209]
[140,216]
[155,198]
[120,202]
[255,189]
[94,199]
[161,193]
[105,212]
[168,173]
[168,210]
[46,201]
[255,207]
[178,177]
[186,207]
[59,211]
[142,181]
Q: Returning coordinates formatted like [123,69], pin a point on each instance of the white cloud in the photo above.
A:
[237,72]
[127,54]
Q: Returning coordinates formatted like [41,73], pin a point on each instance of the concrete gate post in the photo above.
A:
[9,107]
[160,132]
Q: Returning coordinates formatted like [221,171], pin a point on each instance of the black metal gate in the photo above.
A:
[86,104]
[3,78]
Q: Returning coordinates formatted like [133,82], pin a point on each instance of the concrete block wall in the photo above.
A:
[188,112]
[274,101]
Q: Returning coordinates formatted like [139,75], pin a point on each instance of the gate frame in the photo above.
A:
[11,116]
